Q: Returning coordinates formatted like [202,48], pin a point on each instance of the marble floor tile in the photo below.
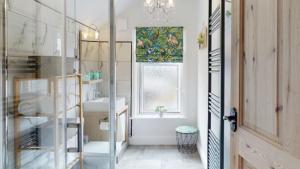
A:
[158,157]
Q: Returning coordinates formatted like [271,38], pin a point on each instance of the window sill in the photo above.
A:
[155,116]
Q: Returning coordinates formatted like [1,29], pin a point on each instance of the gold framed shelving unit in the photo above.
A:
[30,140]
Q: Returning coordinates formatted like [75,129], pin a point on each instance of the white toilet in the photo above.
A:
[96,154]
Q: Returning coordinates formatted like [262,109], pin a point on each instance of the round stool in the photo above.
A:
[187,137]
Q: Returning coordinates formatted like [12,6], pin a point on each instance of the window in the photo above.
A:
[159,56]
[159,85]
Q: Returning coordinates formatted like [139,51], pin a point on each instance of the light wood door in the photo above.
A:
[266,84]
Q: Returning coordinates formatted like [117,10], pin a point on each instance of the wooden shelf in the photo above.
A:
[92,81]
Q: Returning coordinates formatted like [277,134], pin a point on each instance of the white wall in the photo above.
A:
[203,86]
[156,131]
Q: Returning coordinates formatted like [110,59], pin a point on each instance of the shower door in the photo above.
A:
[97,67]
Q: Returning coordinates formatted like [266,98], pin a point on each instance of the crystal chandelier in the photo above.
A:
[159,8]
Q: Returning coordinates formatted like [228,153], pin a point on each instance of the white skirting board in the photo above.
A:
[203,154]
[151,140]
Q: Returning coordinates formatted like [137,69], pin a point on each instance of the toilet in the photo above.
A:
[96,154]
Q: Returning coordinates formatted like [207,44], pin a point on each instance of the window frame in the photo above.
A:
[140,84]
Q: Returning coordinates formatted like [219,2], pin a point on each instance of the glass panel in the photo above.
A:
[160,87]
[123,89]
[46,86]
[34,95]
[95,70]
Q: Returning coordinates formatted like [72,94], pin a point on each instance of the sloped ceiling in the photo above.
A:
[96,11]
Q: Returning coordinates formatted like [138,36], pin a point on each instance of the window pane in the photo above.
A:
[160,87]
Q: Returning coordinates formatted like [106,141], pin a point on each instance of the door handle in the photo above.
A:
[78,126]
[232,119]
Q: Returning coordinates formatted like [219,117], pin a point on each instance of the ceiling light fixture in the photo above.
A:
[159,8]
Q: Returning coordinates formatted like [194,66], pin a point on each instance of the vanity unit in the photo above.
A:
[96,128]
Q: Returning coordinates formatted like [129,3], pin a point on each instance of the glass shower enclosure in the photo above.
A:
[42,119]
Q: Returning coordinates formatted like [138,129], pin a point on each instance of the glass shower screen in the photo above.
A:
[54,86]
[34,92]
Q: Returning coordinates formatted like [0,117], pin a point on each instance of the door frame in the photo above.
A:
[237,51]
[236,71]
[228,82]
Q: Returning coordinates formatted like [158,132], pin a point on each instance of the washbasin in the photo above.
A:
[102,104]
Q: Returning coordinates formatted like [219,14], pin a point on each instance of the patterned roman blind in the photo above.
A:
[159,44]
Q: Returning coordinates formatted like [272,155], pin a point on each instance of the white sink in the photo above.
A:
[102,104]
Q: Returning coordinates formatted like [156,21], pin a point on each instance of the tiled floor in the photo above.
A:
[158,157]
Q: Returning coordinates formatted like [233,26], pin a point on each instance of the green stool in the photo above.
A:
[187,137]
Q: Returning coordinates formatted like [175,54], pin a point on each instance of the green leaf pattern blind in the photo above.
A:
[159,44]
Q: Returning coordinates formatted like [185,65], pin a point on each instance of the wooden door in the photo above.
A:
[266,84]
